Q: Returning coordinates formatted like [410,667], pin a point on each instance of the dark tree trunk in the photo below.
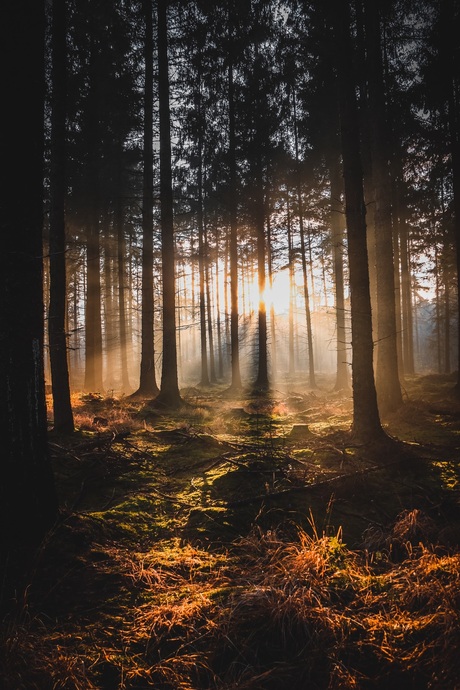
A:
[212,361]
[274,364]
[366,421]
[406,287]
[234,341]
[261,382]
[62,409]
[337,232]
[121,277]
[387,375]
[220,358]
[291,256]
[202,248]
[110,333]
[28,502]
[93,318]
[169,395]
[201,269]
[147,382]
[311,358]
[451,28]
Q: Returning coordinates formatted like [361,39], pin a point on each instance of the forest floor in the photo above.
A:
[247,543]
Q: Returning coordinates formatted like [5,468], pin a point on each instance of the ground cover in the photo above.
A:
[247,543]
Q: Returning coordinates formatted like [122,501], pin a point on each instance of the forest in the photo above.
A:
[230,345]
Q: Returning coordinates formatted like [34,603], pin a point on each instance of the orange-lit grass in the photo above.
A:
[286,613]
[270,613]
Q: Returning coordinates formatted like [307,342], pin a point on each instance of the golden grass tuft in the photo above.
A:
[274,612]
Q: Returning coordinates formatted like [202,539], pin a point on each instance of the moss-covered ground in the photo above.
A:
[247,543]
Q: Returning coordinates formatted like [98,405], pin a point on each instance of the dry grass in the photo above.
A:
[280,608]
[270,614]
[288,613]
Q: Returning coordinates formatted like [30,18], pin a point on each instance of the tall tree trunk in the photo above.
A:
[147,382]
[446,281]
[387,375]
[291,257]
[212,361]
[261,382]
[272,306]
[451,29]
[397,283]
[220,359]
[110,334]
[93,316]
[338,232]
[62,409]
[366,420]
[28,501]
[169,395]
[311,358]
[121,279]
[234,316]
[406,292]
[201,268]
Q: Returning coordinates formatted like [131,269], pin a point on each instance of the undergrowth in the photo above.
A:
[270,613]
[248,547]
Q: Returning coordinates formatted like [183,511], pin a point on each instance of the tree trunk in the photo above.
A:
[28,502]
[337,232]
[261,382]
[147,382]
[93,317]
[451,17]
[406,293]
[220,358]
[121,275]
[169,395]
[291,257]
[201,268]
[387,378]
[109,311]
[62,409]
[366,422]
[272,307]
[212,361]
[311,359]
[234,317]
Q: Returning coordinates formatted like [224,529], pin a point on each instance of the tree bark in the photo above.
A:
[93,318]
[366,421]
[28,501]
[169,395]
[338,236]
[311,358]
[234,317]
[147,382]
[62,408]
[387,376]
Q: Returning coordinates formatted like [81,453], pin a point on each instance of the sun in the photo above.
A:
[278,294]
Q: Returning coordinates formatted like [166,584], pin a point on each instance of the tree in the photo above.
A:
[337,233]
[366,420]
[62,409]
[450,16]
[93,318]
[234,338]
[387,379]
[311,361]
[169,395]
[28,502]
[147,384]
